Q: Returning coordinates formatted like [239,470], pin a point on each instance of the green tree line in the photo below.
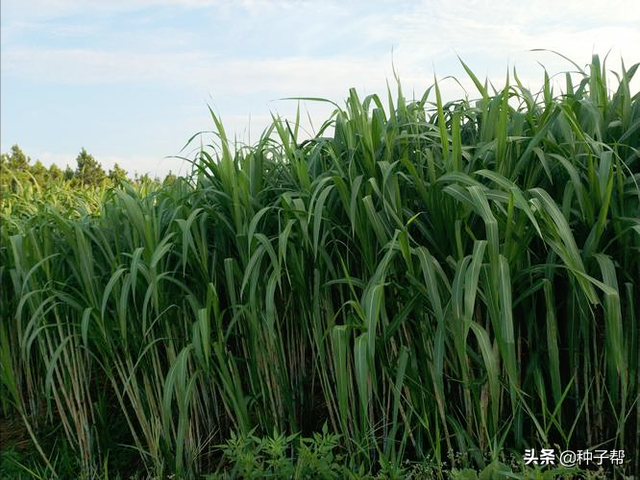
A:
[17,168]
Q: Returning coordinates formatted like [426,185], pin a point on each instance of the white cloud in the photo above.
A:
[50,9]
[497,31]
[87,66]
[494,27]
[221,76]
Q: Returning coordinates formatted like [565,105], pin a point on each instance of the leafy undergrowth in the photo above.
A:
[319,457]
[284,457]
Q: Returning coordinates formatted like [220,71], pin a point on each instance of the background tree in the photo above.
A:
[69,173]
[88,170]
[117,174]
[14,169]
[17,160]
[55,173]
[39,172]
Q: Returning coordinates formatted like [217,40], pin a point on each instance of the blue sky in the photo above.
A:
[131,80]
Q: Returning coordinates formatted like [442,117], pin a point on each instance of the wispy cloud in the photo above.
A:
[279,32]
[498,28]
[50,9]
[222,76]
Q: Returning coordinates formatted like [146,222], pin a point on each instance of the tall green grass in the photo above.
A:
[425,278]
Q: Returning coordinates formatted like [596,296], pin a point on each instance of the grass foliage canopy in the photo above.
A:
[423,278]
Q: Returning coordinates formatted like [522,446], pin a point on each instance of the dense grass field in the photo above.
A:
[421,289]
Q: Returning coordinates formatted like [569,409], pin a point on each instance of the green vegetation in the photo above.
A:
[17,171]
[439,284]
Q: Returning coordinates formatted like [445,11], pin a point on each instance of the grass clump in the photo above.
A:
[427,278]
